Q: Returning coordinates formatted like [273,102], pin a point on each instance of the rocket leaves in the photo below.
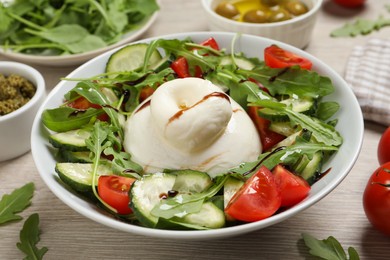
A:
[329,249]
[16,202]
[29,237]
[362,26]
[13,203]
[69,27]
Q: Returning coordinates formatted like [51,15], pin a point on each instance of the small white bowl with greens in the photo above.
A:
[180,169]
[62,33]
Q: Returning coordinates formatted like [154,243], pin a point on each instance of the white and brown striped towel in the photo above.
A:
[368,71]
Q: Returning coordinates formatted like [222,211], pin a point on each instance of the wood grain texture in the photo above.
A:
[68,235]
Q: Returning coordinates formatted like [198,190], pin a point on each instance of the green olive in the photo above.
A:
[256,16]
[227,10]
[296,7]
[280,15]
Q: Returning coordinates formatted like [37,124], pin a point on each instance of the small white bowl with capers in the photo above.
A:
[288,21]
[22,90]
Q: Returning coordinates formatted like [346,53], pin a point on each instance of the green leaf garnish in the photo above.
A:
[17,201]
[360,27]
[29,237]
[329,249]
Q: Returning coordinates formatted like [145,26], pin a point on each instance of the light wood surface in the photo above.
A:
[68,235]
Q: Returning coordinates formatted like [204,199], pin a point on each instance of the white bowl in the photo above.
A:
[77,59]
[296,31]
[15,127]
[350,126]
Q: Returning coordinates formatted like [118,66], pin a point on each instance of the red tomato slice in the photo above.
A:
[384,147]
[276,57]
[180,67]
[145,93]
[376,199]
[293,188]
[257,199]
[114,191]
[83,104]
[268,138]
[211,42]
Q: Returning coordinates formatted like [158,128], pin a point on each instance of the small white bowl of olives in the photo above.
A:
[289,21]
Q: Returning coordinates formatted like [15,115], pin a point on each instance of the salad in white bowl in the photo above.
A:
[187,133]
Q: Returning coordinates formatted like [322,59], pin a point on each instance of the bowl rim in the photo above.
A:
[32,75]
[207,6]
[109,221]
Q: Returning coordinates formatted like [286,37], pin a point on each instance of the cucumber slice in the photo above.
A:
[232,185]
[190,181]
[273,115]
[209,216]
[302,105]
[73,140]
[131,58]
[74,157]
[146,193]
[79,175]
[241,62]
[313,167]
[283,128]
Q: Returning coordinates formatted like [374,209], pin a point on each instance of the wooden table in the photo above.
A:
[68,235]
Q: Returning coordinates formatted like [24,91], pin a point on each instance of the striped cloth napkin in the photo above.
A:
[368,71]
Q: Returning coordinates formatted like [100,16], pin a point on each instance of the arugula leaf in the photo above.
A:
[122,163]
[63,119]
[360,27]
[67,27]
[29,237]
[329,249]
[183,204]
[326,110]
[288,156]
[15,202]
[291,81]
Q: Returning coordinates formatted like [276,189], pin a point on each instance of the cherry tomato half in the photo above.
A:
[384,147]
[293,188]
[350,3]
[257,199]
[114,191]
[276,57]
[376,199]
[268,138]
[83,104]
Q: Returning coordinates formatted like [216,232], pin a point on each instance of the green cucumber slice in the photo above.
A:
[190,181]
[73,140]
[131,57]
[146,193]
[79,175]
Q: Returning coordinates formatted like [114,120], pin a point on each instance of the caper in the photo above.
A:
[256,16]
[227,10]
[278,16]
[296,7]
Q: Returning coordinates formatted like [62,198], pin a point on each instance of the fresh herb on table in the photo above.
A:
[68,27]
[29,237]
[362,26]
[13,203]
[16,202]
[329,249]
